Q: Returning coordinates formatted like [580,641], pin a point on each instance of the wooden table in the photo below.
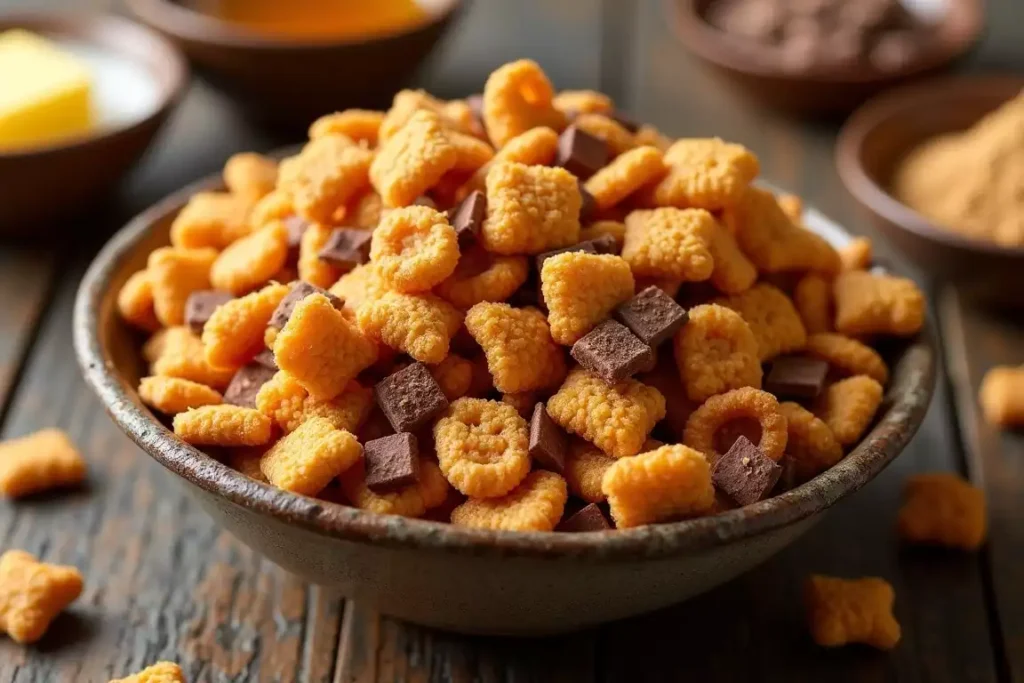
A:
[162,582]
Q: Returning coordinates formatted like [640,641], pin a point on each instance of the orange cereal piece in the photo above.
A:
[585,465]
[430,491]
[39,462]
[517,97]
[530,209]
[174,274]
[849,405]
[421,326]
[273,207]
[704,173]
[454,375]
[223,425]
[251,261]
[745,402]
[1002,396]
[414,249]
[535,147]
[627,173]
[772,318]
[161,672]
[597,229]
[716,352]
[618,139]
[841,611]
[942,508]
[247,461]
[361,125]
[523,402]
[482,447]
[481,276]
[211,219]
[792,206]
[733,272]
[651,136]
[234,333]
[848,356]
[857,254]
[135,302]
[811,444]
[471,153]
[178,352]
[575,102]
[453,115]
[327,173]
[171,395]
[670,243]
[250,175]
[286,402]
[877,304]
[581,290]
[358,285]
[413,160]
[306,460]
[536,504]
[312,268]
[665,483]
[32,594]
[614,417]
[521,356]
[366,211]
[813,300]
[321,349]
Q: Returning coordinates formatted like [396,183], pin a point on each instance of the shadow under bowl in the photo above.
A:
[460,579]
[881,134]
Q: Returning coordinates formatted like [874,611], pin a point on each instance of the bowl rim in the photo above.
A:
[706,41]
[898,102]
[907,401]
[115,30]
[194,26]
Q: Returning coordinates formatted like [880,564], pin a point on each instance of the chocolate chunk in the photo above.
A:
[296,227]
[652,315]
[299,291]
[588,205]
[612,352]
[246,384]
[392,462]
[587,247]
[410,398]
[346,248]
[589,518]
[469,216]
[581,153]
[548,443]
[605,244]
[626,122]
[200,306]
[796,377]
[745,473]
[266,359]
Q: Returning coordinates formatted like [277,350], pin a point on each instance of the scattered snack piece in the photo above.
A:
[517,97]
[392,462]
[942,508]
[589,518]
[173,395]
[670,243]
[410,398]
[848,356]
[796,377]
[328,173]
[772,318]
[585,466]
[481,276]
[745,473]
[857,254]
[32,594]
[705,173]
[548,443]
[842,611]
[161,672]
[178,352]
[849,405]
[653,316]
[812,297]
[867,303]
[581,290]
[234,332]
[306,460]
[666,483]
[626,174]
[38,462]
[733,272]
[430,491]
[414,249]
[211,219]
[811,446]
[199,307]
[612,352]
[246,384]
[135,302]
[1002,396]
[250,175]
[360,125]
[346,248]
[536,504]
[716,352]
[530,209]
[521,355]
[174,274]
[747,402]
[419,325]
[223,425]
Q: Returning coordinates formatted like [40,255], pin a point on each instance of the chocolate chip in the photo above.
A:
[392,462]
[796,377]
[548,443]
[626,122]
[346,248]
[605,244]
[589,518]
[587,247]
[581,153]
[612,352]
[469,216]
[246,384]
[410,398]
[745,473]
[266,359]
[652,315]
[299,291]
[200,306]
[296,227]
[588,205]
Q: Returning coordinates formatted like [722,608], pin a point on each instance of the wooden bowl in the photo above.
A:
[290,82]
[819,93]
[882,133]
[471,580]
[40,185]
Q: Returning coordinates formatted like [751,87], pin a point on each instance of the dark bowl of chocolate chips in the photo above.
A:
[825,57]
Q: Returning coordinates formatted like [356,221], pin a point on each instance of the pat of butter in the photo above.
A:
[45,94]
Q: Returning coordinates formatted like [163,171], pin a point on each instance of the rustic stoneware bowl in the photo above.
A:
[468,580]
[881,133]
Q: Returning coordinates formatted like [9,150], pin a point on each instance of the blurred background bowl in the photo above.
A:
[290,82]
[880,134]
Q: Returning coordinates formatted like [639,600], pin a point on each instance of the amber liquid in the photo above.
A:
[317,19]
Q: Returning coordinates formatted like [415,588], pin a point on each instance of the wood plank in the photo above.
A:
[26,277]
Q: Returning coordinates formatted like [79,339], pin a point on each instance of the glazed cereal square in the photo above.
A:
[174,274]
[211,219]
[536,504]
[670,243]
[413,160]
[234,333]
[877,304]
[306,460]
[842,611]
[179,352]
[580,290]
[772,318]
[172,395]
[223,425]
[716,351]
[942,508]
[666,483]
[32,594]
[521,354]
[252,260]
[626,174]
[530,209]
[585,465]
[706,173]
[414,249]
[419,325]
[39,462]
[288,404]
[327,173]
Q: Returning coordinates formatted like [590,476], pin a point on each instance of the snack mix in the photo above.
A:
[532,315]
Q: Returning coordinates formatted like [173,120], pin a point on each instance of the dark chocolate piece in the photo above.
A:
[581,153]
[200,306]
[410,398]
[297,227]
[612,352]
[266,359]
[299,291]
[625,121]
[392,462]
[246,384]
[588,205]
[548,442]
[469,216]
[652,315]
[796,377]
[605,244]
[587,247]
[346,248]
[589,518]
[745,473]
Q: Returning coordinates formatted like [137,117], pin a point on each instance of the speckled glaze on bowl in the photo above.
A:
[468,580]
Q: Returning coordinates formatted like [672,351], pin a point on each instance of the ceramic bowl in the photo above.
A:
[41,185]
[468,580]
[833,92]
[291,82]
[883,132]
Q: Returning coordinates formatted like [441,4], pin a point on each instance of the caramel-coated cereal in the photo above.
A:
[365,211]
[250,175]
[812,297]
[430,491]
[610,132]
[772,318]
[421,326]
[454,375]
[413,160]
[624,175]
[652,137]
[179,352]
[721,409]
[246,460]
[523,402]
[665,483]
[251,261]
[1002,396]
[716,351]
[598,229]
[842,611]
[848,356]
[942,508]
[535,147]
[174,274]
[517,97]
[235,331]
[360,125]
[211,219]
[792,206]
[536,504]
[161,672]
[705,173]
[811,444]
[32,594]
[733,272]
[327,173]
[273,207]
[481,276]
[223,425]
[585,465]
[362,283]
[471,153]
[286,402]
[414,248]
[857,254]
[848,407]
[575,102]
[877,304]
[530,209]
[306,460]
[452,115]
[521,356]
[135,302]
[172,395]
[670,243]
[38,462]
[581,290]
[312,268]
